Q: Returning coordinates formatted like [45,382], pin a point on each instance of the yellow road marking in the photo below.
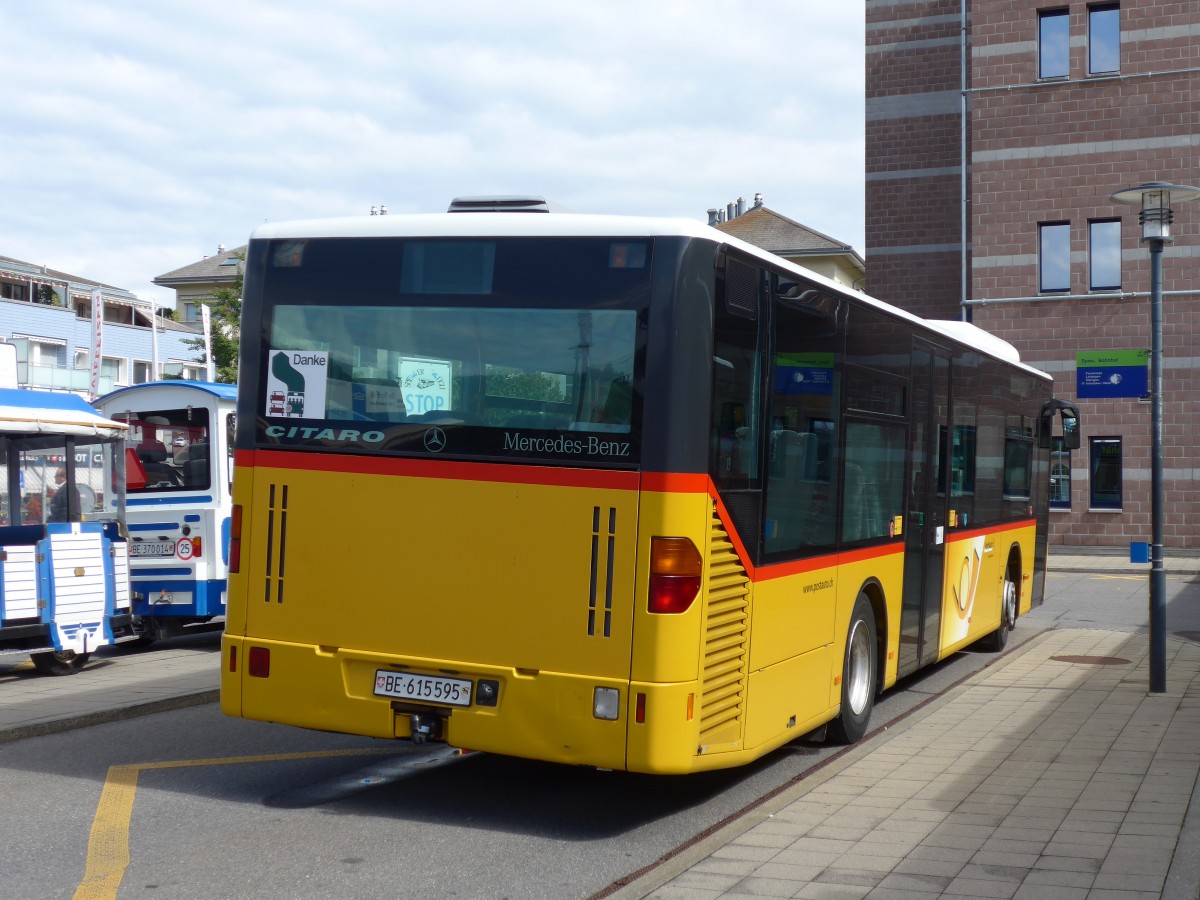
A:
[108,843]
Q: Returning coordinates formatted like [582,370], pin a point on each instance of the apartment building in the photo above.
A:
[46,317]
[997,131]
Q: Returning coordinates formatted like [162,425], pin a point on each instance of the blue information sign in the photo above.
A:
[1111,373]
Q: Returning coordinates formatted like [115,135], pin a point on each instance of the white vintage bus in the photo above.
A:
[178,472]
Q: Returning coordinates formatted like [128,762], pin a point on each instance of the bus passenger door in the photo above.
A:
[924,530]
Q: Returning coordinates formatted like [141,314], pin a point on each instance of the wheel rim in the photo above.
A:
[858,668]
[1010,603]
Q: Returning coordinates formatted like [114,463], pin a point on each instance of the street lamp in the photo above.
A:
[1155,200]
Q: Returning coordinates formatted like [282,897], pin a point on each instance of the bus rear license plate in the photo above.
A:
[424,688]
[152,548]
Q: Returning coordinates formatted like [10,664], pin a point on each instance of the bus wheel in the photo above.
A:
[858,676]
[996,641]
[64,662]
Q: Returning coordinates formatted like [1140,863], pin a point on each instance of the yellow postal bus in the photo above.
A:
[609,491]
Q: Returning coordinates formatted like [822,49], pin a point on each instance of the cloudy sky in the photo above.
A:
[142,134]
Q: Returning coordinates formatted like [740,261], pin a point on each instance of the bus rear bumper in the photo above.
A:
[538,715]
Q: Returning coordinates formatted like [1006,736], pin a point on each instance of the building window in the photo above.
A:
[191,312]
[1104,38]
[183,370]
[1054,43]
[82,359]
[1060,476]
[113,367]
[1054,257]
[141,372]
[1105,482]
[12,291]
[36,351]
[1104,255]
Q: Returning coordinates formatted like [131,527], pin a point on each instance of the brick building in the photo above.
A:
[997,131]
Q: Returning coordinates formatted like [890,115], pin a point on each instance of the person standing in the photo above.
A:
[60,510]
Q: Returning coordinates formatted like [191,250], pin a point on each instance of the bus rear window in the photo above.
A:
[561,370]
[522,350]
[171,450]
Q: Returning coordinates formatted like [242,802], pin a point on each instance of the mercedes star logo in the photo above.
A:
[435,440]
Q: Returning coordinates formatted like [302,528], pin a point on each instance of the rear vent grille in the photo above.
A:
[600,589]
[277,508]
[723,684]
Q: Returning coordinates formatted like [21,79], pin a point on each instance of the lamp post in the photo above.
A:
[1155,199]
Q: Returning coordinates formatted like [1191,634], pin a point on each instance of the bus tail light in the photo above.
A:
[675,568]
[196,542]
[235,539]
[258,662]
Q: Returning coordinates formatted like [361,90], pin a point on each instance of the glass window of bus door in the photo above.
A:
[805,417]
[876,444]
[736,418]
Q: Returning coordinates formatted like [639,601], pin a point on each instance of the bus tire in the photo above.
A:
[60,662]
[998,639]
[859,675]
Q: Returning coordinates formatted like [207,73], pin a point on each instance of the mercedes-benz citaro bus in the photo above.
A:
[179,470]
[612,491]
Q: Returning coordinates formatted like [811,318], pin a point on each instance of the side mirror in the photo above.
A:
[1069,413]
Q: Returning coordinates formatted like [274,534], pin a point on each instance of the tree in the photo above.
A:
[46,295]
[225,313]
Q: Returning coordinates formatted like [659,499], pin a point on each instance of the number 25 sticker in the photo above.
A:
[184,549]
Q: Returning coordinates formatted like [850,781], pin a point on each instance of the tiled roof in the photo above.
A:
[211,268]
[782,236]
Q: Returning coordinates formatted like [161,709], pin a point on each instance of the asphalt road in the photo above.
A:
[206,806]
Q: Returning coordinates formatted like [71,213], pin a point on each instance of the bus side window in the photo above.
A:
[737,377]
[737,430]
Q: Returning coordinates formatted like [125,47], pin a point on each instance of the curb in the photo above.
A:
[113,714]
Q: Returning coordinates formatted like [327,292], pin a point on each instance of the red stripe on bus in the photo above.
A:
[676,482]
[967,534]
[828,561]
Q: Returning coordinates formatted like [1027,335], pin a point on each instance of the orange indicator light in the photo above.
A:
[675,568]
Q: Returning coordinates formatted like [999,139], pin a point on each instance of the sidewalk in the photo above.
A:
[1053,773]
[115,684]
[1075,559]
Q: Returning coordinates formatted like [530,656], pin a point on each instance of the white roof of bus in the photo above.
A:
[555,224]
[38,412]
[158,393]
